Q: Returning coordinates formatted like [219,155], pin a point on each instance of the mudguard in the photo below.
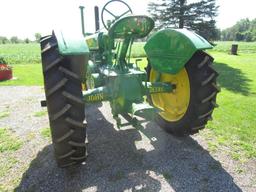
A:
[70,43]
[170,49]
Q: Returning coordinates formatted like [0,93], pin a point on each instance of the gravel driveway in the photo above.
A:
[143,159]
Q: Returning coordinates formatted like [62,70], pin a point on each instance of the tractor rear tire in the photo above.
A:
[203,91]
[63,91]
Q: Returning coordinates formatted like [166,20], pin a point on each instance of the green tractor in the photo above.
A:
[177,88]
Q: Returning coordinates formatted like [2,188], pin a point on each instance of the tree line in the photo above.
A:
[243,30]
[15,39]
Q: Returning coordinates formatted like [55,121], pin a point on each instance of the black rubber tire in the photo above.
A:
[203,92]
[63,91]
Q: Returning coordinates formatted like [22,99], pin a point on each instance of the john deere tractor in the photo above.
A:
[177,88]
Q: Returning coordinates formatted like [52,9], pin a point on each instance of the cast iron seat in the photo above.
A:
[135,26]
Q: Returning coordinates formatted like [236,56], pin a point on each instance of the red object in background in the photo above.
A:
[5,72]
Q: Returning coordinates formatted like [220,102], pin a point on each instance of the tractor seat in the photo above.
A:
[138,26]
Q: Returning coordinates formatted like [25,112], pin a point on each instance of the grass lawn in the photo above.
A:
[26,74]
[243,47]
[234,122]
[234,125]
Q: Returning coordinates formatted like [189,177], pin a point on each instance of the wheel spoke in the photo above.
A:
[123,14]
[111,13]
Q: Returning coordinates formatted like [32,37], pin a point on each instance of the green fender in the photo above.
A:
[170,49]
[71,44]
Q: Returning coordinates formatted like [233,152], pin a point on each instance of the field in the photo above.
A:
[25,60]
[234,121]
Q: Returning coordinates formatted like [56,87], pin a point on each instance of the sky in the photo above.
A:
[23,18]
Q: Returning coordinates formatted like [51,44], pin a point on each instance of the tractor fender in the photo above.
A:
[169,50]
[70,43]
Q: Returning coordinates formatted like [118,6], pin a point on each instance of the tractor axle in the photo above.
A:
[106,93]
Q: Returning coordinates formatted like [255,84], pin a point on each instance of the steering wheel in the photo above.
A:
[115,15]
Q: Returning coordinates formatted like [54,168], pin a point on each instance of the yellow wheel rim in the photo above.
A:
[173,105]
[84,87]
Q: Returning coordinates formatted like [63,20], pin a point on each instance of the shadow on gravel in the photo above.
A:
[115,163]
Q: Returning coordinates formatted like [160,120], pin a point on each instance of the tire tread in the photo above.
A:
[64,103]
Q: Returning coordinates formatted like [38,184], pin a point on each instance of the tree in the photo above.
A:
[14,39]
[4,40]
[198,16]
[38,37]
[27,40]
[243,30]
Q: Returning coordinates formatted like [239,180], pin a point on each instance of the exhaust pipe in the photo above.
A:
[82,19]
[97,20]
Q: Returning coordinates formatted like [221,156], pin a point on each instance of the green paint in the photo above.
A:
[71,44]
[96,95]
[122,90]
[139,26]
[121,82]
[170,49]
[112,77]
[128,28]
[93,41]
[121,58]
[157,87]
[97,79]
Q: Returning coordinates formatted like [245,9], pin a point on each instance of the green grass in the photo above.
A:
[4,114]
[8,142]
[29,74]
[40,113]
[45,132]
[234,121]
[243,47]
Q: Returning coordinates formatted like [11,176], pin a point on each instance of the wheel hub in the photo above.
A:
[173,105]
